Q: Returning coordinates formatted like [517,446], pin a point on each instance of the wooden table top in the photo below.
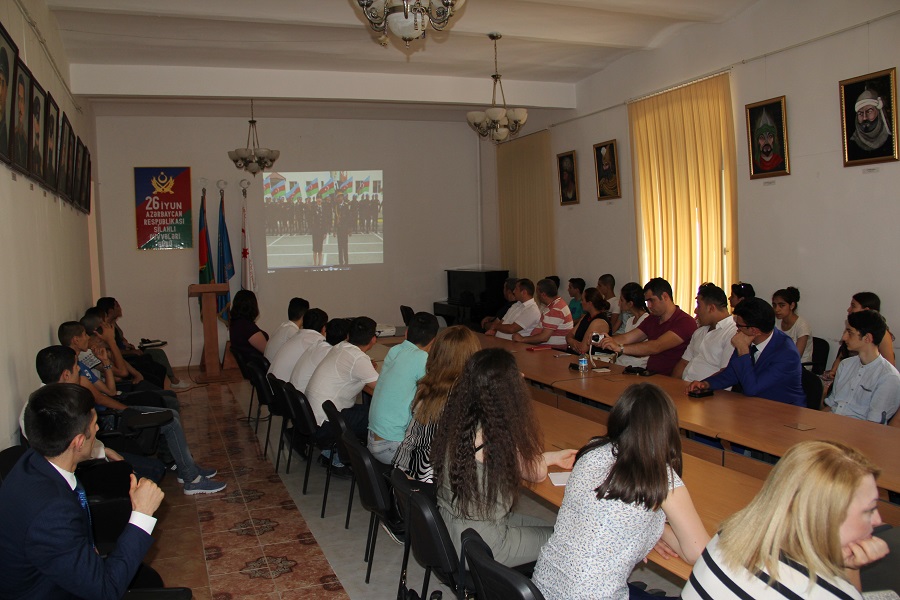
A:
[717,491]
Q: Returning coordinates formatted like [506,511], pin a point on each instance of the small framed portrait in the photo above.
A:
[8,54]
[21,93]
[606,164]
[767,138]
[51,142]
[38,103]
[568,184]
[86,199]
[64,172]
[869,118]
[77,172]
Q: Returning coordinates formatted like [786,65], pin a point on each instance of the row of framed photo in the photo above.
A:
[33,138]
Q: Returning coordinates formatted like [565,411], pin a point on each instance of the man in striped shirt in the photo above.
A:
[556,320]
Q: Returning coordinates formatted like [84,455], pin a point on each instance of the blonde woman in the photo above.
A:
[804,535]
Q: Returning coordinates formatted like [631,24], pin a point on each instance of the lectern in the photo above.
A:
[207,293]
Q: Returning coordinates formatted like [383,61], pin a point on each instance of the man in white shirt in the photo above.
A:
[285,360]
[522,317]
[866,386]
[606,285]
[335,332]
[710,347]
[344,372]
[297,307]
[556,320]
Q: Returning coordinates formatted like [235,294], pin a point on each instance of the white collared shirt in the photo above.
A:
[709,350]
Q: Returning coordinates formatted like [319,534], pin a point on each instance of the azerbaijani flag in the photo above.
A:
[347,186]
[225,262]
[206,273]
[296,193]
[327,189]
[278,189]
[267,187]
[312,187]
[362,187]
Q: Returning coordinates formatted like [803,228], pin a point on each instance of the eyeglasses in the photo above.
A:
[743,326]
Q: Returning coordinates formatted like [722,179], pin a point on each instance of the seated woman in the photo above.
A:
[631,301]
[594,320]
[739,291]
[796,327]
[804,535]
[246,337]
[486,443]
[625,492]
[448,355]
[864,301]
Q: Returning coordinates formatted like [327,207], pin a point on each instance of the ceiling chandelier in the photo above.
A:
[408,19]
[497,122]
[253,159]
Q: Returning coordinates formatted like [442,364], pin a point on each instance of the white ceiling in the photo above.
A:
[324,49]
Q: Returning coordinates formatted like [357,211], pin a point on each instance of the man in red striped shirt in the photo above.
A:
[556,320]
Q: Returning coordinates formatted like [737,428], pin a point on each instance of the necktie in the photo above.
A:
[753,351]
[83,501]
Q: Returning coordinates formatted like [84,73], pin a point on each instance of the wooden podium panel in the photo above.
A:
[207,293]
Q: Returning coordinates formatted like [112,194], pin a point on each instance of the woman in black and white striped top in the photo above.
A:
[804,535]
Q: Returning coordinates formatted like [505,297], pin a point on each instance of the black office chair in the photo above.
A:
[264,394]
[338,427]
[492,579]
[374,494]
[407,313]
[403,487]
[241,361]
[812,388]
[304,425]
[134,431]
[820,351]
[280,408]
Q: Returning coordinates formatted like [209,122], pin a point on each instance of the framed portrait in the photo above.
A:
[21,117]
[869,118]
[86,198]
[38,103]
[606,165]
[9,52]
[568,184]
[64,171]
[51,142]
[767,138]
[77,172]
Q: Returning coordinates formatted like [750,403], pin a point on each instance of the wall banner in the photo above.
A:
[162,202]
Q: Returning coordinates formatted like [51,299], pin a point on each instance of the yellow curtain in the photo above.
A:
[685,181]
[525,196]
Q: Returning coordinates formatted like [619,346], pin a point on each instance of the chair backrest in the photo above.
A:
[279,406]
[9,458]
[300,410]
[338,426]
[373,490]
[431,542]
[492,579]
[259,382]
[241,361]
[812,388]
[820,351]
[407,313]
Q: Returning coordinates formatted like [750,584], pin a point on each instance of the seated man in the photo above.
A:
[522,317]
[286,358]
[335,332]
[606,284]
[404,365]
[866,386]
[576,289]
[765,361]
[344,372]
[509,294]
[46,541]
[153,363]
[556,320]
[663,336]
[710,348]
[297,307]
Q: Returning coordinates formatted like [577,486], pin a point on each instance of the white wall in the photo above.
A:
[43,242]
[826,229]
[431,214]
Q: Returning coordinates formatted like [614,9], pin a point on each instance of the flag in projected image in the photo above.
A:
[347,186]
[312,187]
[296,194]
[278,190]
[267,188]
[327,189]
[363,186]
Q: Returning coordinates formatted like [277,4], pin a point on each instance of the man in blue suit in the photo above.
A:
[765,361]
[46,542]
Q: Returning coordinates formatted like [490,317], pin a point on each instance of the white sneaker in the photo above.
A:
[181,385]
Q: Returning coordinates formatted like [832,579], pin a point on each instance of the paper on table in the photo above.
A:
[560,479]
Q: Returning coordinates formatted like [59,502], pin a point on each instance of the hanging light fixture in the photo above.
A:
[408,19]
[253,159]
[497,122]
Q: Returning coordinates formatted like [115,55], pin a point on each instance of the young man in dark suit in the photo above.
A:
[46,543]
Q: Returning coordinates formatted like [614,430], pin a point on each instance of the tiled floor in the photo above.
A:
[262,538]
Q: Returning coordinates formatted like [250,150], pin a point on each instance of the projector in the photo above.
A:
[385,330]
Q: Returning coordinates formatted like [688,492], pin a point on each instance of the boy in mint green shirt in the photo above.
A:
[404,365]
[576,289]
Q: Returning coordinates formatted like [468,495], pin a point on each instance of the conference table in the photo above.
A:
[717,491]
[732,418]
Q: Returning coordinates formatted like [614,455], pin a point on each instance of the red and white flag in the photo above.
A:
[248,276]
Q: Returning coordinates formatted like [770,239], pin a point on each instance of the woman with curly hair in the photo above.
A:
[448,355]
[486,443]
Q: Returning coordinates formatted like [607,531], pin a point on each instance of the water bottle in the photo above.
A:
[583,363]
